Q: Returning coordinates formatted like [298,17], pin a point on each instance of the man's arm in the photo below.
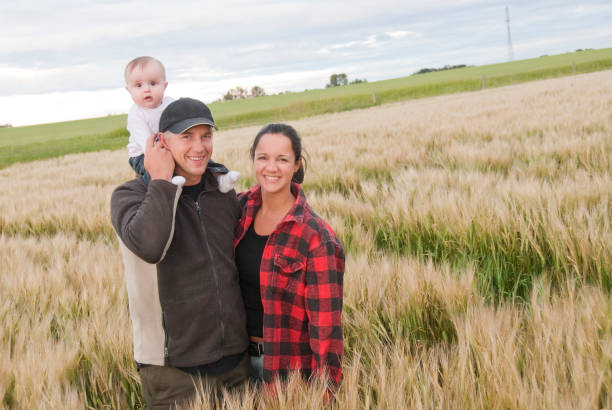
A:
[143,215]
[144,220]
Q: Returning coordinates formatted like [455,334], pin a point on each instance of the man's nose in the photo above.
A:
[199,144]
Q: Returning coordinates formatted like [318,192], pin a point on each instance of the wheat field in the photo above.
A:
[478,236]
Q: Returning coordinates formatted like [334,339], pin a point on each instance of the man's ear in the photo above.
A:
[162,140]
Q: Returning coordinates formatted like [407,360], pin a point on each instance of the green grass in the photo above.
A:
[506,263]
[42,133]
[536,68]
[56,147]
[22,144]
[105,388]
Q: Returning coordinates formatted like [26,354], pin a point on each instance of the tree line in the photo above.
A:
[242,93]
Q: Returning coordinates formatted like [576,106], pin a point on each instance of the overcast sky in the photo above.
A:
[62,60]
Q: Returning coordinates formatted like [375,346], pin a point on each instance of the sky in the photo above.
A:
[64,60]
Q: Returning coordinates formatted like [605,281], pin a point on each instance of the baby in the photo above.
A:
[145,79]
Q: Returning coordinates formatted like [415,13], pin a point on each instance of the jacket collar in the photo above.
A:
[209,182]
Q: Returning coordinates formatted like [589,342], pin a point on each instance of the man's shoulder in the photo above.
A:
[138,186]
[135,186]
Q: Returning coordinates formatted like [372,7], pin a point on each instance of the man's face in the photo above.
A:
[146,84]
[191,151]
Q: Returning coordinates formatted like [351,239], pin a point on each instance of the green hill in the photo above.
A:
[29,143]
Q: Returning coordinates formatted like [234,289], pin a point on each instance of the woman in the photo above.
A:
[291,266]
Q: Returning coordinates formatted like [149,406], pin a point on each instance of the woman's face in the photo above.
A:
[274,162]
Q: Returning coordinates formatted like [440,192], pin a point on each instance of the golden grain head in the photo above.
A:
[478,239]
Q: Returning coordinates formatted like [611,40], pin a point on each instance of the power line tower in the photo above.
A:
[510,51]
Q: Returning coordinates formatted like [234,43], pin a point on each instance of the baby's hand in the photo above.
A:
[227,181]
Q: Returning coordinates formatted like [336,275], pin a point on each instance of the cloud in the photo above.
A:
[398,35]
[62,106]
[16,80]
[578,39]
[83,45]
[370,41]
[53,107]
[19,74]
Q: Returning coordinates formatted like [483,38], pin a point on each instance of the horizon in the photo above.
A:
[53,71]
[436,69]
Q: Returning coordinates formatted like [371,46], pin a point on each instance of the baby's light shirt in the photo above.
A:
[142,122]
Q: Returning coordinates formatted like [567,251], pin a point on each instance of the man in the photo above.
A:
[185,303]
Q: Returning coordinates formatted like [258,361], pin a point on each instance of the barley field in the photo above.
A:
[478,235]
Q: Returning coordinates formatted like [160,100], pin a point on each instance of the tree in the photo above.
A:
[336,80]
[257,91]
[237,93]
[431,70]
[240,93]
[359,80]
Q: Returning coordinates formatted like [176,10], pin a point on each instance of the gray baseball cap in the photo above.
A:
[184,113]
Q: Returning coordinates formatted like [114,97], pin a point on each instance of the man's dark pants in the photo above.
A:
[166,387]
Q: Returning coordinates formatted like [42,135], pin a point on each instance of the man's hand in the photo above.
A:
[158,160]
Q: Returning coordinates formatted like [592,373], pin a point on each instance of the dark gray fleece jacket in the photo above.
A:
[182,282]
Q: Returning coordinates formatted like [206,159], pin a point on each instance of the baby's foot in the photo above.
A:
[227,181]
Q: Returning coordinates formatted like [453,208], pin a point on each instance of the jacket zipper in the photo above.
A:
[214,274]
[166,358]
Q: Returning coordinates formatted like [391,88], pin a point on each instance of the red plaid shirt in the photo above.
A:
[301,275]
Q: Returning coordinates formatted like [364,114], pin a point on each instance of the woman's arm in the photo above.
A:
[324,276]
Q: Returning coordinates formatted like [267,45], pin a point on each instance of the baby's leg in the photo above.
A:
[217,168]
[137,164]
[226,178]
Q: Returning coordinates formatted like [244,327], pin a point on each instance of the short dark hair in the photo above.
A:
[296,144]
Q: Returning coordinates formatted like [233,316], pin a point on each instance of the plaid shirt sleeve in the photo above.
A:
[324,276]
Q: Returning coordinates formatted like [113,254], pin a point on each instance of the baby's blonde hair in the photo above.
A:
[142,62]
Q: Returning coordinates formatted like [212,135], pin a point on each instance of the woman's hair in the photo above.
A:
[296,144]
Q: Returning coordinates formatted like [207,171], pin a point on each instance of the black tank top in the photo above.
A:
[248,259]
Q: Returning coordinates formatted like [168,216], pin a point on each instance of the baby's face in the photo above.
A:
[146,85]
